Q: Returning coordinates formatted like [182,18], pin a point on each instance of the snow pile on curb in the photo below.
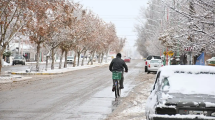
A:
[11,78]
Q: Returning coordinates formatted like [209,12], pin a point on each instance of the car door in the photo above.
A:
[152,99]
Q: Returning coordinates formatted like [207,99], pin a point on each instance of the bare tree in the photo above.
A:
[13,17]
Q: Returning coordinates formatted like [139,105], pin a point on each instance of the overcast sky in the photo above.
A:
[123,13]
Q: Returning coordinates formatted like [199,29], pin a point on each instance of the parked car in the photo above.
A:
[183,92]
[18,59]
[70,59]
[148,59]
[154,65]
[127,59]
[211,62]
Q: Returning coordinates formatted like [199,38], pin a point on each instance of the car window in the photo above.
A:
[156,57]
[155,61]
[70,57]
[165,83]
[18,57]
[149,58]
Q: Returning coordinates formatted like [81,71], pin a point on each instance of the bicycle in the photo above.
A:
[116,76]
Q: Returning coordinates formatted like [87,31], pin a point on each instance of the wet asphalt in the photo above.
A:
[79,95]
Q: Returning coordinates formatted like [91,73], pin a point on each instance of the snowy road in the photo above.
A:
[79,95]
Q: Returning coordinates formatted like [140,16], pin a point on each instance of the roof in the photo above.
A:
[191,69]
[189,79]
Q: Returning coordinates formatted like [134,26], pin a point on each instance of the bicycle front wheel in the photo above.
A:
[119,90]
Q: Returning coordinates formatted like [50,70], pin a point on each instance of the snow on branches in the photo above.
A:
[55,24]
[179,24]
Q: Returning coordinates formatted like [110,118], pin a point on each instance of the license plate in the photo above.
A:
[198,112]
[155,66]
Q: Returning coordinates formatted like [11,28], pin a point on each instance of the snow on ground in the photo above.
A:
[133,105]
[7,64]
[12,78]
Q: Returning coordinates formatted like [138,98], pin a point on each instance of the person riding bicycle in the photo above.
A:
[117,64]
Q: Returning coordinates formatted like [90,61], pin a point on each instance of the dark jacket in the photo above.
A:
[174,62]
[117,64]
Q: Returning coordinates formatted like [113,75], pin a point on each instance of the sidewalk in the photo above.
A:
[18,76]
[57,71]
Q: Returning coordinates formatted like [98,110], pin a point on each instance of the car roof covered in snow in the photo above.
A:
[190,69]
[189,79]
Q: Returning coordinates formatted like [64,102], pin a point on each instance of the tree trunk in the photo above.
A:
[52,65]
[61,57]
[82,63]
[74,63]
[47,59]
[65,62]
[37,57]
[99,59]
[106,57]
[1,64]
[79,53]
[1,56]
[92,58]
[102,57]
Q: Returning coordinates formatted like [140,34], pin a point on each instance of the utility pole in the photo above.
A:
[167,17]
[192,12]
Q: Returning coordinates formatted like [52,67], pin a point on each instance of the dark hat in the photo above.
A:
[118,55]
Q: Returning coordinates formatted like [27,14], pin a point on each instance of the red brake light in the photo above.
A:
[149,65]
[161,65]
[146,62]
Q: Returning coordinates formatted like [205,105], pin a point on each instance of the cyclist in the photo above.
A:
[117,64]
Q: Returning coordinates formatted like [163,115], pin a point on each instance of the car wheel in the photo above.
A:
[13,64]
[146,69]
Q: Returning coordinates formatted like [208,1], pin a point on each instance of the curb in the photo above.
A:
[14,73]
[56,73]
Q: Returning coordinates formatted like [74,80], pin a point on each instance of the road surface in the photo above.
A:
[80,95]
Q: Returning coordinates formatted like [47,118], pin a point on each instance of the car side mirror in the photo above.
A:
[150,91]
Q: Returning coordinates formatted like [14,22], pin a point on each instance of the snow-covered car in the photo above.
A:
[211,62]
[184,92]
[70,59]
[148,59]
[154,65]
[18,59]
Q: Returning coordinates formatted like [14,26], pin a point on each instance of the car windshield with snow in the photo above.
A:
[182,92]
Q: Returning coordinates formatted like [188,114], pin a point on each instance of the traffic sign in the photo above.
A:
[170,53]
[189,48]
[164,53]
